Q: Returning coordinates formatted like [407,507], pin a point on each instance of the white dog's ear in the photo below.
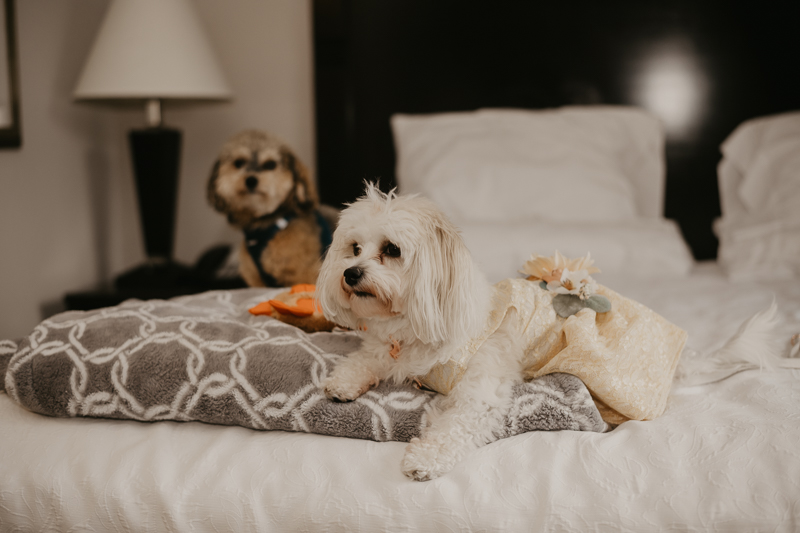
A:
[328,287]
[445,295]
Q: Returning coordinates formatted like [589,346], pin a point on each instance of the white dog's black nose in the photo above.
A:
[251,183]
[352,275]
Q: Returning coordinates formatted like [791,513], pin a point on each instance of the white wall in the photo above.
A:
[68,215]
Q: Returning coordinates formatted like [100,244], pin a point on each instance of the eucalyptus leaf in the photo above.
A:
[543,285]
[599,303]
[567,305]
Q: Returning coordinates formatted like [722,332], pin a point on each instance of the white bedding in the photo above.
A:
[724,457]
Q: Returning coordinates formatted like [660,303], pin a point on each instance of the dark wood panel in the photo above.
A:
[703,66]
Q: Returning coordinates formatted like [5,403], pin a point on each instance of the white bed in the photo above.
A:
[723,457]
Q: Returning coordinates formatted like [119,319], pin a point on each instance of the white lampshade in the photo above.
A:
[152,49]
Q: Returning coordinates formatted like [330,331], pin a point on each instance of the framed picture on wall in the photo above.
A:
[9,81]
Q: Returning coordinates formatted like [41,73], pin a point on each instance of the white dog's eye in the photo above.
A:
[239,162]
[356,249]
[269,164]
[391,250]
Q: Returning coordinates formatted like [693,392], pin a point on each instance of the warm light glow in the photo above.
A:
[671,85]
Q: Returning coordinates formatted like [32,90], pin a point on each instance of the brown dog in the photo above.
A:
[265,190]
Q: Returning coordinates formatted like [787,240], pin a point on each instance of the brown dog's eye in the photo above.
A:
[356,249]
[391,250]
[239,162]
[269,164]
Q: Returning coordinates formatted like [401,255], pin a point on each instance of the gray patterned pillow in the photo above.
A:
[205,358]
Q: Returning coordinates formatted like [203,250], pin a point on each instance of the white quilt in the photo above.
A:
[724,457]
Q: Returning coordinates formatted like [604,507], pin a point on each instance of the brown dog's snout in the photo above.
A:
[251,182]
[352,275]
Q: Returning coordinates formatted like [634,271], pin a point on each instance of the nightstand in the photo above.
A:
[159,281]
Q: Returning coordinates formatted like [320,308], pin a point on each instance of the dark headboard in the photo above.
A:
[374,58]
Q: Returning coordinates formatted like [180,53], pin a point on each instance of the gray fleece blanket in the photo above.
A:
[206,358]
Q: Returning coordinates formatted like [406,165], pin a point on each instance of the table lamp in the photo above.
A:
[149,51]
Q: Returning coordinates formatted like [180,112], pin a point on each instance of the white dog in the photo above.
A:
[399,273]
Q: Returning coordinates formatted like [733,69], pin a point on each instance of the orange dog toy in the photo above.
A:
[296,307]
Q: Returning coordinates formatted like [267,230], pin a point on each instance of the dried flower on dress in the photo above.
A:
[570,279]
[549,269]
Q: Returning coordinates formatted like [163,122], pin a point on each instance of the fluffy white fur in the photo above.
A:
[399,272]
[428,301]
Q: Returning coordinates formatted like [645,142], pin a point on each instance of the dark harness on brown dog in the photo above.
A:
[256,240]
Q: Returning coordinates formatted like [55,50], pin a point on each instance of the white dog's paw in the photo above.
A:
[426,460]
[344,390]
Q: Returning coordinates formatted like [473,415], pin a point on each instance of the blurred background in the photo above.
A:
[325,75]
[68,212]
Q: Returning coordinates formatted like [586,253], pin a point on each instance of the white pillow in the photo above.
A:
[567,164]
[760,246]
[773,181]
[759,180]
[645,248]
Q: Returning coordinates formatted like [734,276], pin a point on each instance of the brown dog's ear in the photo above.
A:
[305,191]
[211,190]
